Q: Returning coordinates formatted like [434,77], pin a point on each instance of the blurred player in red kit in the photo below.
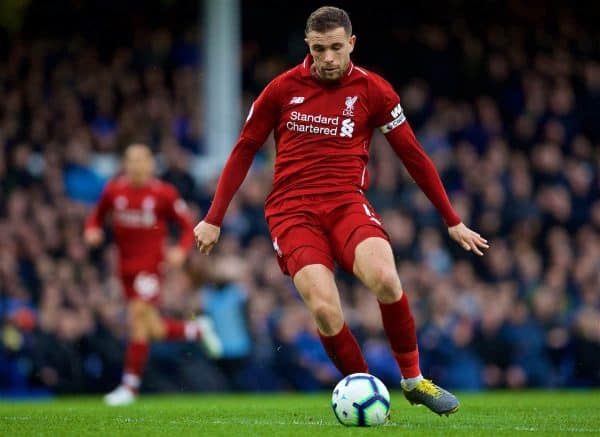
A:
[140,207]
[323,113]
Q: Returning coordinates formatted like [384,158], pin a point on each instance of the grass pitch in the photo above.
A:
[499,413]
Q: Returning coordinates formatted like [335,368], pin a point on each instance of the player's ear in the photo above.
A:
[352,42]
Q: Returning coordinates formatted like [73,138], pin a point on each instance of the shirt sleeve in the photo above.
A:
[261,120]
[104,206]
[421,168]
[263,114]
[177,211]
[389,117]
[387,111]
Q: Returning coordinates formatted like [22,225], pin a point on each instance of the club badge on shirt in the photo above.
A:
[350,102]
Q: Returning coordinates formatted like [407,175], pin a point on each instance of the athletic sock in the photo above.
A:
[399,327]
[409,384]
[136,357]
[174,329]
[343,350]
[180,330]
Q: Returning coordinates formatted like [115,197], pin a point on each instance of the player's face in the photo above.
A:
[139,163]
[331,52]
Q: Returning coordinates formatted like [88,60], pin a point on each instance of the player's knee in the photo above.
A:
[136,320]
[137,309]
[156,329]
[329,318]
[387,286]
[155,334]
[138,331]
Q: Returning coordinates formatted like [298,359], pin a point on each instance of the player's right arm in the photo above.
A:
[261,120]
[93,234]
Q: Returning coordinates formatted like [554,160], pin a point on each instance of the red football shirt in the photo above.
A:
[322,134]
[139,217]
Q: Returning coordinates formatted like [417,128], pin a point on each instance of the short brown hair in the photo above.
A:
[327,18]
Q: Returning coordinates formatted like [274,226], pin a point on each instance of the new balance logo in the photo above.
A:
[347,128]
[296,100]
[397,111]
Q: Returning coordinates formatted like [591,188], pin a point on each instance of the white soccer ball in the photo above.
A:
[361,399]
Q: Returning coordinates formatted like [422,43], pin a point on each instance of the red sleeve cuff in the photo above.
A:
[212,220]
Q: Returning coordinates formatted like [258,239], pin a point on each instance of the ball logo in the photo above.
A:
[361,399]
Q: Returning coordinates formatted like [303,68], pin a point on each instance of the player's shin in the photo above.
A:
[343,350]
[399,327]
[138,346]
[181,330]
[136,357]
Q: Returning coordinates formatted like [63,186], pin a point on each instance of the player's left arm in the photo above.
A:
[393,124]
[421,168]
[178,211]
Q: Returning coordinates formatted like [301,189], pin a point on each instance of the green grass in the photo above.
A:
[500,413]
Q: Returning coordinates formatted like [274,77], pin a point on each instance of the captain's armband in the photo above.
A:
[399,118]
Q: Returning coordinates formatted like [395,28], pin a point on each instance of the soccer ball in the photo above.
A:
[361,399]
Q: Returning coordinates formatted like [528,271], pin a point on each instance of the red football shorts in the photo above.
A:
[321,229]
[142,285]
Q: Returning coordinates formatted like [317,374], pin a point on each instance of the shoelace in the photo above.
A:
[428,387]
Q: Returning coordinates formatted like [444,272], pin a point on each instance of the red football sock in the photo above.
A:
[175,329]
[180,330]
[399,327]
[136,357]
[342,348]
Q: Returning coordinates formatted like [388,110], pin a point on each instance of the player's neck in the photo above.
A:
[139,182]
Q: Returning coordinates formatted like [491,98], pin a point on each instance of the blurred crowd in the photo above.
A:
[508,113]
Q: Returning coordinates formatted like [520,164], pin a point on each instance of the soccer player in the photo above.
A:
[324,112]
[140,207]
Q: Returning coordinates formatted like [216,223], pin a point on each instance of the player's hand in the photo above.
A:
[93,236]
[468,239]
[175,257]
[207,236]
